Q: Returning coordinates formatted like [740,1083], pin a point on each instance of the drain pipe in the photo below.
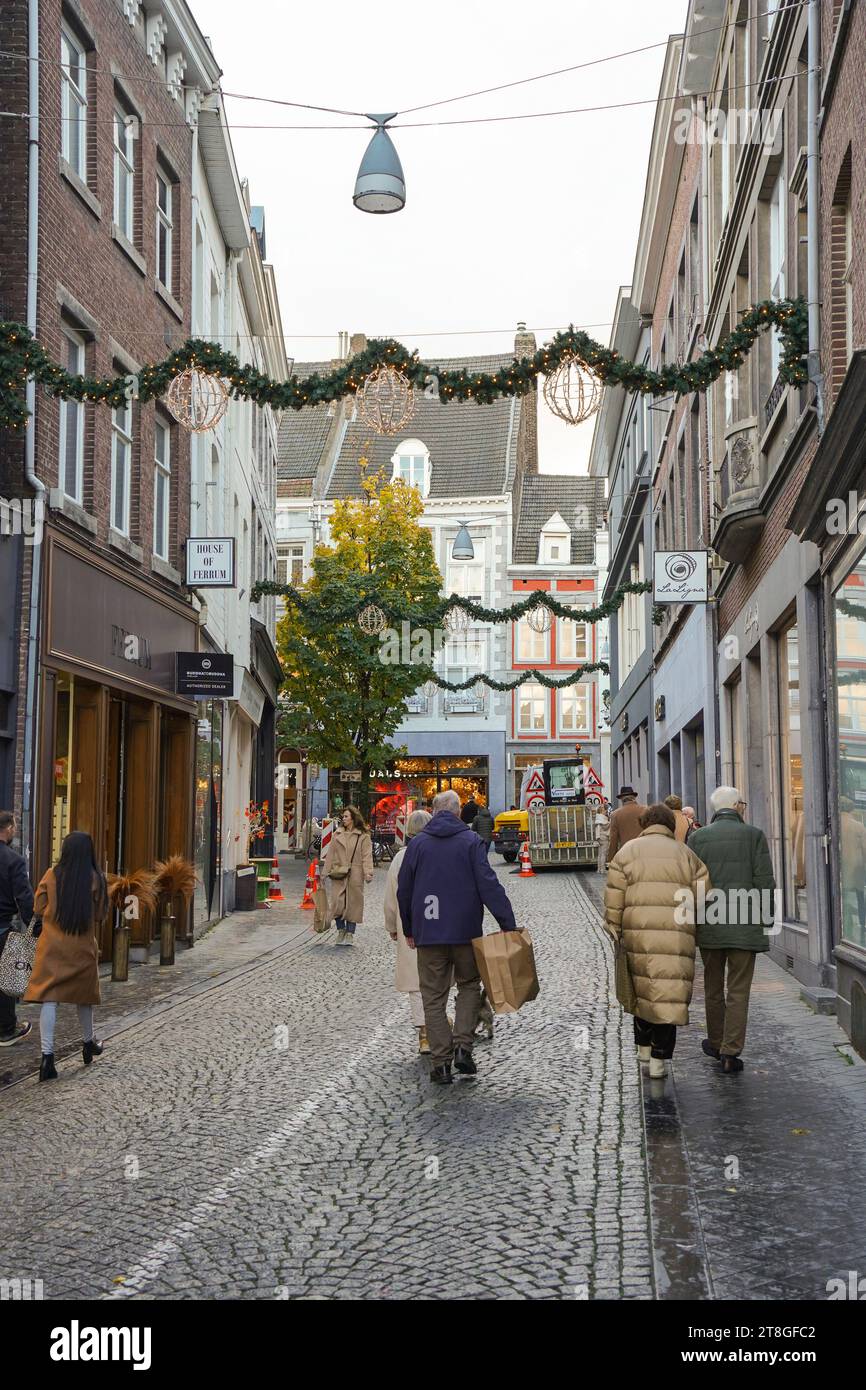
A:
[28,811]
[813,211]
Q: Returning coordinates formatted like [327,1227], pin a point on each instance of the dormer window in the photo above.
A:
[411,463]
[554,542]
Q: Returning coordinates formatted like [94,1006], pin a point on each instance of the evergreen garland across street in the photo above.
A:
[23,357]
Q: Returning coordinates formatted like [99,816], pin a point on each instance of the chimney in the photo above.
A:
[524,343]
[358,344]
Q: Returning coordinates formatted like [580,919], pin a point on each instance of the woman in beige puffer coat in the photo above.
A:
[649,907]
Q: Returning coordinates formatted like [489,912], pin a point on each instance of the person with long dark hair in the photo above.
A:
[72,901]
[349,865]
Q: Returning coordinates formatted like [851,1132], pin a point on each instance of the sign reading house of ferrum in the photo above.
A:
[210,562]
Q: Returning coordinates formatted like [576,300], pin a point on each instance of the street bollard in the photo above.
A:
[120,949]
[166,939]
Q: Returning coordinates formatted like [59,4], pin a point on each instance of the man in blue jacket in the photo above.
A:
[444,885]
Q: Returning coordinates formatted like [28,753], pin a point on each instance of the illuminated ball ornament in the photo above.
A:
[198,400]
[371,620]
[573,391]
[539,619]
[429,690]
[386,401]
[456,619]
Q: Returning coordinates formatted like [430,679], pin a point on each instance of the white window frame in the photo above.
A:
[121,440]
[581,691]
[778,259]
[536,643]
[73,102]
[535,692]
[287,556]
[72,412]
[568,627]
[164,222]
[124,161]
[414,454]
[161,479]
[467,577]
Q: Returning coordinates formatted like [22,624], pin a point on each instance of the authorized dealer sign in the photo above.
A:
[205,675]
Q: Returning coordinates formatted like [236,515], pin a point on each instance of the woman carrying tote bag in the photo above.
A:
[349,865]
[72,901]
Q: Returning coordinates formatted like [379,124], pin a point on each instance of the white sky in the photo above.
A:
[534,220]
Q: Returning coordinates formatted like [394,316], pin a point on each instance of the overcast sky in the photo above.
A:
[534,220]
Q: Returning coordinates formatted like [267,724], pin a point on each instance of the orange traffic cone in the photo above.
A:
[526,869]
[309,887]
[275,892]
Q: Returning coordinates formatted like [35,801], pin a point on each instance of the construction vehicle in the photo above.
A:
[553,818]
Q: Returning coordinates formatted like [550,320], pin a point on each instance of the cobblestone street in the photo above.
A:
[261,1126]
[277,1136]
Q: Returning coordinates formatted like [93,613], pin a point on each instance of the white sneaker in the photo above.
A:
[341,936]
[644,1054]
[657,1069]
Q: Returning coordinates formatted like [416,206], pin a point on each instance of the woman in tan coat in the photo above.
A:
[650,909]
[72,901]
[349,865]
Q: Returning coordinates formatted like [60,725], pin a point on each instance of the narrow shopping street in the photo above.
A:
[264,1128]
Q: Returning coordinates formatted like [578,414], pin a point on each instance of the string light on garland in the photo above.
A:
[371,620]
[198,400]
[573,391]
[386,401]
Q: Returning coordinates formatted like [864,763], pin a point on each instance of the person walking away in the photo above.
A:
[443,886]
[72,901]
[16,896]
[406,972]
[649,914]
[674,804]
[602,830]
[483,827]
[738,858]
[694,823]
[469,812]
[349,865]
[624,822]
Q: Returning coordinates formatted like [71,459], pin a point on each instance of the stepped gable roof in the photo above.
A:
[545,493]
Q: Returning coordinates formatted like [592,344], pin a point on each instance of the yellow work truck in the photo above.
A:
[553,818]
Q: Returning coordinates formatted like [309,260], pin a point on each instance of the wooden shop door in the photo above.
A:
[130,801]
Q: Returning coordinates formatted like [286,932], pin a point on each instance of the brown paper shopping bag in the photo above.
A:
[506,963]
[624,983]
[322,914]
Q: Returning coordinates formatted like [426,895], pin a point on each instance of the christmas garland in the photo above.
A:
[309,605]
[533,675]
[23,357]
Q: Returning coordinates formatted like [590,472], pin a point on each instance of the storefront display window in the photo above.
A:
[790,751]
[208,806]
[850,622]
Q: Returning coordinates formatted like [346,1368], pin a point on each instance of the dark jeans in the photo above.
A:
[8,1018]
[660,1037]
[342,925]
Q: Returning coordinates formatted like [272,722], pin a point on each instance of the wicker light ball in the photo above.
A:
[386,401]
[429,690]
[456,619]
[371,620]
[573,391]
[539,619]
[198,400]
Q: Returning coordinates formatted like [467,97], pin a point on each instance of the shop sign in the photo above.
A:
[205,675]
[210,562]
[251,698]
[350,775]
[680,576]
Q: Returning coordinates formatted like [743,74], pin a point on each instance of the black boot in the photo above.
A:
[90,1050]
[463,1062]
[731,1065]
[707,1047]
[47,1069]
[441,1076]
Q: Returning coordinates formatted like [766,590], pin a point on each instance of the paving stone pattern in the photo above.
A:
[275,1136]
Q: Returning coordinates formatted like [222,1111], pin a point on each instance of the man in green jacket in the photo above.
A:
[733,927]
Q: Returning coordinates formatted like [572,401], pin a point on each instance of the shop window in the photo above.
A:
[532,704]
[72,423]
[850,681]
[73,102]
[735,725]
[790,749]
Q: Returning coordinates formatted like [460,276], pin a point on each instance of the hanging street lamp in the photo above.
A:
[463,549]
[380,186]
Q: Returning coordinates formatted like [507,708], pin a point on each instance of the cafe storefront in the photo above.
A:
[117,747]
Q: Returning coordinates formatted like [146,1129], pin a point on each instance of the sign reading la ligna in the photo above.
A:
[680,576]
[210,562]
